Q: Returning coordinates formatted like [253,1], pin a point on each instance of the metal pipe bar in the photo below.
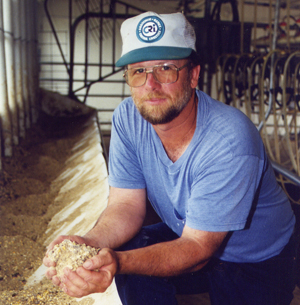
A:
[101,40]
[112,14]
[114,35]
[70,17]
[10,69]
[86,49]
[31,59]
[18,67]
[102,95]
[52,63]
[286,173]
[55,35]
[79,80]
[128,6]
[5,132]
[35,56]
[96,81]
[284,112]
[274,39]
[86,42]
[105,123]
[72,46]
[262,4]
[105,110]
[25,67]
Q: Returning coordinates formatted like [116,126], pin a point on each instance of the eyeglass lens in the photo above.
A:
[165,74]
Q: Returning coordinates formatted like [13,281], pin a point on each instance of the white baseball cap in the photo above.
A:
[151,36]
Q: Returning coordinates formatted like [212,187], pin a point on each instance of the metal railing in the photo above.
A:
[97,20]
[80,88]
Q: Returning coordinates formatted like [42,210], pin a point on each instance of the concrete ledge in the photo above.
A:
[83,190]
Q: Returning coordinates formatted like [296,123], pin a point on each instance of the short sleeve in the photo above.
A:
[124,166]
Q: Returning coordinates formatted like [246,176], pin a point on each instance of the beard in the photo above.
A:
[167,111]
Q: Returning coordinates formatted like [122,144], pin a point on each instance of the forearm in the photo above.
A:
[163,259]
[189,253]
[121,220]
[114,227]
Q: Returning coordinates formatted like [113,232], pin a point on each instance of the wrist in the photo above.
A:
[121,258]
[92,240]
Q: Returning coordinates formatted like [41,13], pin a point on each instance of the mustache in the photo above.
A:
[152,95]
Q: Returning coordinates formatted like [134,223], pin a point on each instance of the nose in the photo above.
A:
[151,80]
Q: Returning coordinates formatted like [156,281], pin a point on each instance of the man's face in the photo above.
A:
[161,103]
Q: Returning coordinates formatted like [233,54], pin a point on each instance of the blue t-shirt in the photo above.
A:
[222,182]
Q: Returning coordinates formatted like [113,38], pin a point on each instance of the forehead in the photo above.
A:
[151,63]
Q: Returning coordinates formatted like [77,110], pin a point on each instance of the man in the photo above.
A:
[227,227]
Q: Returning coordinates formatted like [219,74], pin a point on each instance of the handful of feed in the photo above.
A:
[70,254]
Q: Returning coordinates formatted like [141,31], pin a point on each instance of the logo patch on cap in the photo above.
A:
[150,29]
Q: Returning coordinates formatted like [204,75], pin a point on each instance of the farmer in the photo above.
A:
[227,227]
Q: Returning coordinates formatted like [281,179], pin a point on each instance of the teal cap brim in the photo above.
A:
[153,53]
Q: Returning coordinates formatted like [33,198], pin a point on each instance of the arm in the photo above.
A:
[120,221]
[188,253]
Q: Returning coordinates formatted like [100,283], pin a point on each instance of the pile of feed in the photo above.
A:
[70,254]
[27,193]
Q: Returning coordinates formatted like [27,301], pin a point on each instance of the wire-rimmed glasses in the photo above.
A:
[164,74]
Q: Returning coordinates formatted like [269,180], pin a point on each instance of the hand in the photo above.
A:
[96,275]
[51,272]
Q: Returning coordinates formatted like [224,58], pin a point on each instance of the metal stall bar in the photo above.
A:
[54,31]
[32,58]
[272,64]
[5,116]
[10,68]
[114,16]
[101,39]
[277,167]
[86,41]
[87,15]
[293,155]
[18,67]
[286,173]
[24,55]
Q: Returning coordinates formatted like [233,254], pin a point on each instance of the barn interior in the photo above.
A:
[59,87]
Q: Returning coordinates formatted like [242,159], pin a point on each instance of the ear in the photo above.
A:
[195,76]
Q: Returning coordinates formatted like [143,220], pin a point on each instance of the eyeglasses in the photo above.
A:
[164,74]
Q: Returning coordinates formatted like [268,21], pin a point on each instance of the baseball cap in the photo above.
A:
[152,36]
